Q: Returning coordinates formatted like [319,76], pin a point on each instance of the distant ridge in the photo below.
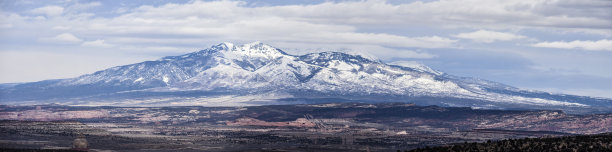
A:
[256,74]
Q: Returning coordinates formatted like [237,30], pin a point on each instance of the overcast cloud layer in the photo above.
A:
[559,46]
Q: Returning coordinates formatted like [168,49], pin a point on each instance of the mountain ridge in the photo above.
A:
[256,73]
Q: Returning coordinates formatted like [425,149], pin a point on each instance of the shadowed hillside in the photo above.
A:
[600,142]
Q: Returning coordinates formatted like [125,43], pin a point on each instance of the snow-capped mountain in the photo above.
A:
[255,73]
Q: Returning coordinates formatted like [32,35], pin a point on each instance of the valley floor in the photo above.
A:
[320,127]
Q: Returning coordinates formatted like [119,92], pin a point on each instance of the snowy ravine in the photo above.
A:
[255,74]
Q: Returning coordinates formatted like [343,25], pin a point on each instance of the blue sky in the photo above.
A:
[558,46]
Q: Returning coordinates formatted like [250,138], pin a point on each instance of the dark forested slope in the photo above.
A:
[599,142]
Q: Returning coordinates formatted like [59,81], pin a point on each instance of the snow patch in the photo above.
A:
[417,66]
[166,79]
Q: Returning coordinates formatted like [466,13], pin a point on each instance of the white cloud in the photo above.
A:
[84,6]
[485,36]
[191,24]
[382,29]
[324,23]
[6,26]
[49,10]
[28,66]
[604,45]
[60,27]
[63,38]
[96,43]
[490,14]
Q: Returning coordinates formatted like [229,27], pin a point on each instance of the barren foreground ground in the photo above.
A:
[318,127]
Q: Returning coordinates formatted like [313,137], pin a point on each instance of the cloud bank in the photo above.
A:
[485,36]
[427,31]
[600,45]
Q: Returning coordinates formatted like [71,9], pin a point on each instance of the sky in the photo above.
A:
[560,46]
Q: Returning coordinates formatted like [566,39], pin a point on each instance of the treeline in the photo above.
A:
[596,143]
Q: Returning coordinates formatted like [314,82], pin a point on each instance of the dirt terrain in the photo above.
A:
[320,127]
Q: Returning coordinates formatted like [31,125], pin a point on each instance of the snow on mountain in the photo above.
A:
[255,73]
[417,66]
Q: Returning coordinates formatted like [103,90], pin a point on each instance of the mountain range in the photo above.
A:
[259,74]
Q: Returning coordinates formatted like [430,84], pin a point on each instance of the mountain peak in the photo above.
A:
[258,46]
[255,44]
[249,49]
[223,46]
[325,57]
[258,72]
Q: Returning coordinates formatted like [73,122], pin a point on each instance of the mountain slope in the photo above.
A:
[255,73]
